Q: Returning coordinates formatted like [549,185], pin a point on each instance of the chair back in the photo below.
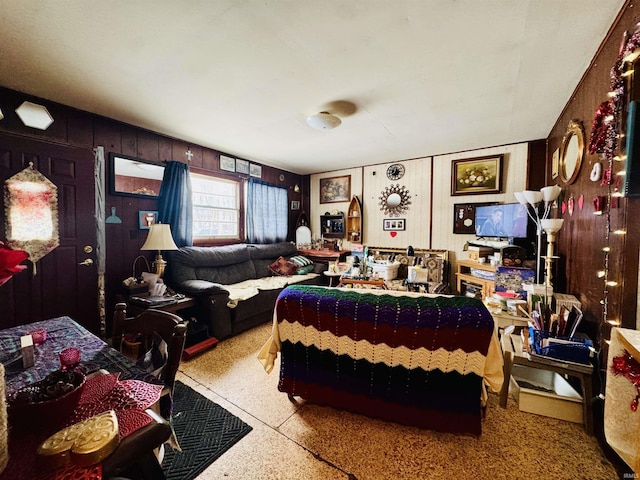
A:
[166,325]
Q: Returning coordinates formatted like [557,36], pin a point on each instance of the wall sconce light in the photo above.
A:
[34,115]
[159,238]
[296,188]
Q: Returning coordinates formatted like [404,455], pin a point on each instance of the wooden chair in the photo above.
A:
[167,325]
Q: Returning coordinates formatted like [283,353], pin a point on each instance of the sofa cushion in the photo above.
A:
[262,255]
[282,266]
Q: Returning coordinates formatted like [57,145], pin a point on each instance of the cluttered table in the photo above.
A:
[112,383]
[515,354]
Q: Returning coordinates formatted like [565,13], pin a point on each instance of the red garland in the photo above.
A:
[628,367]
[600,127]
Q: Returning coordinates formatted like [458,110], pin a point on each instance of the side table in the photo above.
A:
[331,276]
[514,355]
[182,304]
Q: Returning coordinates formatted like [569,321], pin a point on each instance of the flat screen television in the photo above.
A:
[508,220]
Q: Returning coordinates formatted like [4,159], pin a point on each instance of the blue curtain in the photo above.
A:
[174,203]
[266,212]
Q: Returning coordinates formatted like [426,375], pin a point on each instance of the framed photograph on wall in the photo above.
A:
[295,205]
[476,176]
[464,217]
[227,163]
[146,218]
[255,170]
[335,189]
[555,163]
[389,224]
[242,166]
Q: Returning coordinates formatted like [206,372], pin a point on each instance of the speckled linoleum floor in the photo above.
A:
[305,441]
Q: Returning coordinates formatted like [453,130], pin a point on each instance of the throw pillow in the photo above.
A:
[304,270]
[301,260]
[283,267]
[304,264]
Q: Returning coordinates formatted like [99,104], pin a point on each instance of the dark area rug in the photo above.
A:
[204,430]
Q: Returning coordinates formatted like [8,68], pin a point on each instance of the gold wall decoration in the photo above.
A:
[394,200]
[31,213]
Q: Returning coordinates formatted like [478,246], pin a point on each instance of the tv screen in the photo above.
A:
[506,220]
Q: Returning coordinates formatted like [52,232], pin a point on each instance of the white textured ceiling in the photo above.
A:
[240,76]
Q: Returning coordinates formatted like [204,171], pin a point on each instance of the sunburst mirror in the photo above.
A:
[394,200]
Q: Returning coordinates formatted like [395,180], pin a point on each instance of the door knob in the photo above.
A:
[86,262]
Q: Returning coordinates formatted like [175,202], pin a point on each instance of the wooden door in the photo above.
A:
[66,281]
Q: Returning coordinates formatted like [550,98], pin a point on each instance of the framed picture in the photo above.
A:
[295,205]
[464,217]
[335,189]
[227,163]
[393,224]
[555,163]
[242,166]
[476,176]
[255,170]
[146,218]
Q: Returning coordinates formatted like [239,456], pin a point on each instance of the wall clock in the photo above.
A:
[395,171]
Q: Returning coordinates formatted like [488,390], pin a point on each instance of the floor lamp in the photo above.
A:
[550,227]
[538,205]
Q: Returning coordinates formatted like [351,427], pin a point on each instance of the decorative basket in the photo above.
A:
[27,410]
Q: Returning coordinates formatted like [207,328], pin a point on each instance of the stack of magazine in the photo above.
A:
[153,301]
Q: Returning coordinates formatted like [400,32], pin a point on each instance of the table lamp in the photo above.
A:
[159,238]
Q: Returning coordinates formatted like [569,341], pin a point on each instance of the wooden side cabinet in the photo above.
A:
[332,226]
[471,285]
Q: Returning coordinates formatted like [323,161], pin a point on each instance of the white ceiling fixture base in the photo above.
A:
[323,121]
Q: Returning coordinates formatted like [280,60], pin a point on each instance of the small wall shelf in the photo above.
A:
[354,221]
[332,226]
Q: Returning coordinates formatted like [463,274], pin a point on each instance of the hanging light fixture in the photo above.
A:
[323,121]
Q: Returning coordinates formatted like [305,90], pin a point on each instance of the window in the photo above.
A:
[216,208]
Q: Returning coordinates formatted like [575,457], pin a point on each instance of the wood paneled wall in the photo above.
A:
[76,128]
[584,235]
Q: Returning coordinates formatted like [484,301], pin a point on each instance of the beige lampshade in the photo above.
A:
[550,194]
[533,196]
[551,225]
[159,238]
[520,197]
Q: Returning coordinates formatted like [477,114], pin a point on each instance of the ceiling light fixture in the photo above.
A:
[323,121]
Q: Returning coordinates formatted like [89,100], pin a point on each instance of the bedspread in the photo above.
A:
[418,359]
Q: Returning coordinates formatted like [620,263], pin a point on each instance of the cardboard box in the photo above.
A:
[475,253]
[545,393]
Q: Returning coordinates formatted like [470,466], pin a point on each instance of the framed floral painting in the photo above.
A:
[476,176]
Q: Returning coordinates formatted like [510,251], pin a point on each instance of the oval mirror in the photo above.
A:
[394,200]
[572,152]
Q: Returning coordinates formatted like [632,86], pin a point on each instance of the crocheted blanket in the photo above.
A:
[417,359]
